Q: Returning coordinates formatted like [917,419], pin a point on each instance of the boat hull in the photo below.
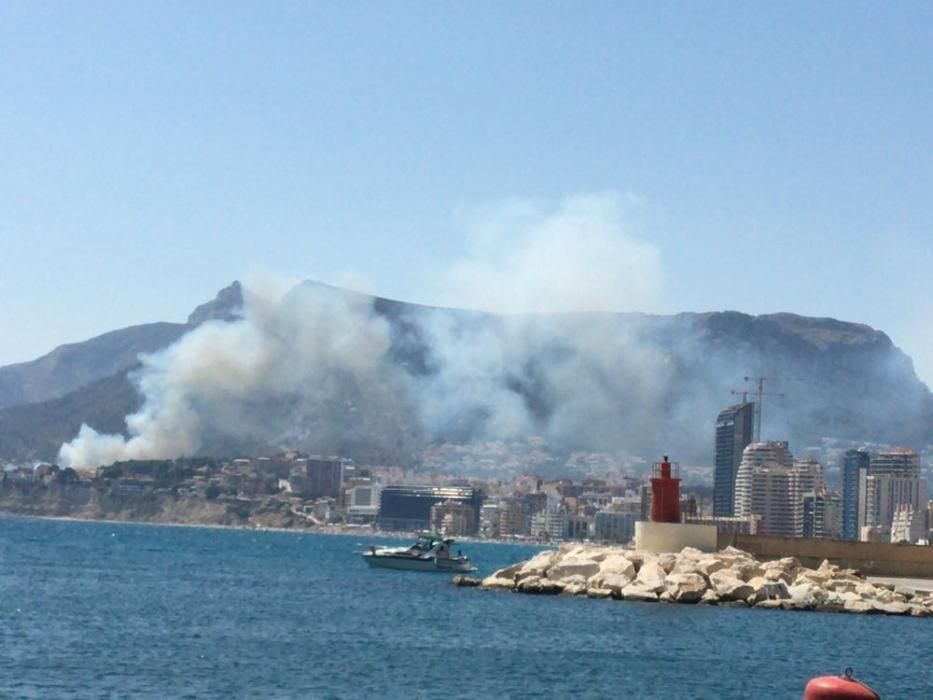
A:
[388,561]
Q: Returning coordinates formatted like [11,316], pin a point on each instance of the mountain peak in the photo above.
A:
[226,306]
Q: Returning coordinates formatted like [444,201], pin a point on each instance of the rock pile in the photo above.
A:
[730,577]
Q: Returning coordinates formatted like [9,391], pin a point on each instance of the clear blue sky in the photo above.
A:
[777,156]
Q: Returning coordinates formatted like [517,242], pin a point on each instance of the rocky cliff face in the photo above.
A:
[225,306]
[635,383]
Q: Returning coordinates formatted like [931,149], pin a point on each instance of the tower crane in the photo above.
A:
[761,393]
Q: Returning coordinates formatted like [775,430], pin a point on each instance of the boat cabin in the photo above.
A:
[433,543]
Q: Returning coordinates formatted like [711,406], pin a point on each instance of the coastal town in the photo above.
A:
[507,491]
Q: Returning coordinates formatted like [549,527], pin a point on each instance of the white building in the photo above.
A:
[363,503]
[550,522]
[885,493]
[763,487]
[909,525]
[806,477]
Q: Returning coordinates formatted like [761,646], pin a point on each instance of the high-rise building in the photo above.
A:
[550,523]
[454,518]
[822,515]
[898,461]
[514,517]
[764,487]
[759,454]
[734,430]
[805,477]
[893,481]
[324,476]
[885,493]
[766,492]
[772,484]
[854,471]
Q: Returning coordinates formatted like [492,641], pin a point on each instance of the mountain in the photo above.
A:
[621,382]
[75,365]
[36,431]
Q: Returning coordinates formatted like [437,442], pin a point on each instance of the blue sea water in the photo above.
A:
[100,610]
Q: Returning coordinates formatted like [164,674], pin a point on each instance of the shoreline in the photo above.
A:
[6,515]
[341,530]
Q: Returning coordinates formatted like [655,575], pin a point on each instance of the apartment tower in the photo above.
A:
[734,430]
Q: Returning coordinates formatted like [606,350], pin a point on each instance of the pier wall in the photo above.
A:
[871,558]
[672,537]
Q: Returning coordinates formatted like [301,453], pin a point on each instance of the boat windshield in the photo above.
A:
[427,541]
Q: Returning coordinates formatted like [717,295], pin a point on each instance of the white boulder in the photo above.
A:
[686,566]
[710,565]
[612,582]
[806,595]
[573,564]
[686,587]
[539,564]
[640,592]
[651,576]
[573,585]
[785,569]
[598,592]
[692,553]
[617,564]
[766,590]
[894,608]
[667,562]
[729,587]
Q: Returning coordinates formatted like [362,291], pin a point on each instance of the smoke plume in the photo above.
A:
[220,378]
[579,256]
[325,370]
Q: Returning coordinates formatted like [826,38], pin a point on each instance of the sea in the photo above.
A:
[105,610]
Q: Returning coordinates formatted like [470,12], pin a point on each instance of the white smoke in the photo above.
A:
[211,380]
[321,369]
[555,374]
[578,256]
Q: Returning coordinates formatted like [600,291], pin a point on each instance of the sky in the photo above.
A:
[747,156]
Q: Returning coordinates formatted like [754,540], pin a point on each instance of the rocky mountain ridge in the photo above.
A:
[74,365]
[630,382]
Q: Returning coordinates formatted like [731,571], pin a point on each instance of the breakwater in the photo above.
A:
[730,577]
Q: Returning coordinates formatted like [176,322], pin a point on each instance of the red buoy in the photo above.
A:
[843,687]
[665,494]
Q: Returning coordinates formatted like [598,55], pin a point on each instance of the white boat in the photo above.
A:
[430,552]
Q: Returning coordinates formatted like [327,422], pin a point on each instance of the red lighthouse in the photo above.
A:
[665,494]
